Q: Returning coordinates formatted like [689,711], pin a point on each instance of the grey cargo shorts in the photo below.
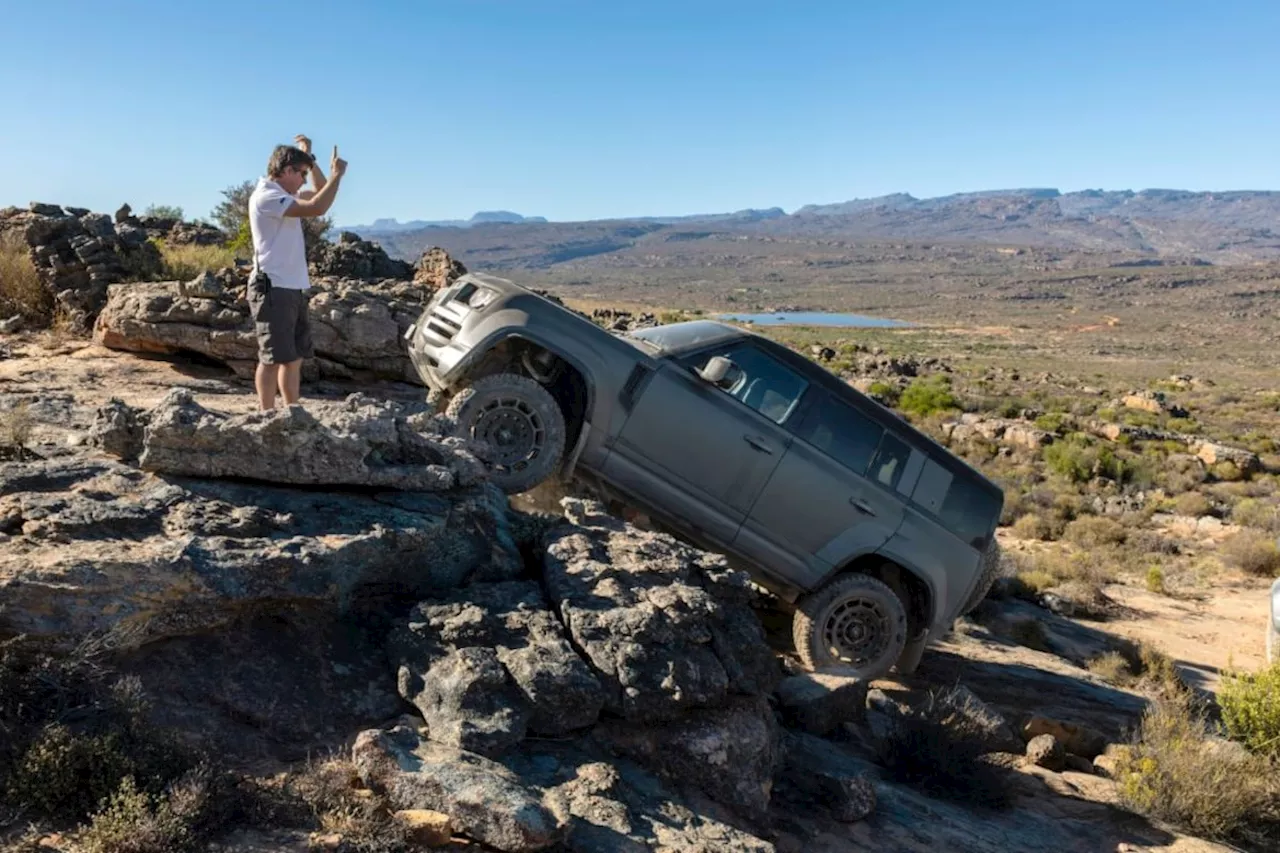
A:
[282,322]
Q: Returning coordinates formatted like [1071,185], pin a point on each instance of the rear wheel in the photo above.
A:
[856,625]
[520,422]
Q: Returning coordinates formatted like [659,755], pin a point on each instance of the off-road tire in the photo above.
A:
[505,405]
[988,570]
[857,601]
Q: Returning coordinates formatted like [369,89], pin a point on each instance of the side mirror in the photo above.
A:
[720,371]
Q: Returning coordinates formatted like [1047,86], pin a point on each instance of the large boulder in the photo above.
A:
[731,752]
[484,799]
[360,442]
[91,546]
[357,328]
[665,626]
[489,662]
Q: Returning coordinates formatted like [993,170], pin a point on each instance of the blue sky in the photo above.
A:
[576,110]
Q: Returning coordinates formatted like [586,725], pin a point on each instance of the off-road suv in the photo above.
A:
[878,535]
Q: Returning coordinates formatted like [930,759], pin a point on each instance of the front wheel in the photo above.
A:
[520,422]
[856,625]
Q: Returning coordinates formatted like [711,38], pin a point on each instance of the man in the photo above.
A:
[278,303]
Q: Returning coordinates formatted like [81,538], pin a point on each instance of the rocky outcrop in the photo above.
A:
[120,550]
[1014,433]
[1211,453]
[436,270]
[357,328]
[666,628]
[490,662]
[1154,402]
[353,257]
[77,254]
[360,442]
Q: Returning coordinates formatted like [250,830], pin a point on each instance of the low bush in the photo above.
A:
[1176,772]
[1252,551]
[928,396]
[1095,532]
[1033,526]
[1250,705]
[1193,504]
[938,749]
[1155,580]
[1253,512]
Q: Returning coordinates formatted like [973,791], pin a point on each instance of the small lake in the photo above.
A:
[814,318]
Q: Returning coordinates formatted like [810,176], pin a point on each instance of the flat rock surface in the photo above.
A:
[91,544]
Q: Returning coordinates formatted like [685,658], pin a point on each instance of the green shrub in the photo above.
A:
[890,394]
[1080,458]
[1051,422]
[928,396]
[1155,580]
[1250,705]
[134,821]
[1252,512]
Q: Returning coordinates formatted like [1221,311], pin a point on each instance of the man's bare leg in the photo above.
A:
[264,379]
[291,381]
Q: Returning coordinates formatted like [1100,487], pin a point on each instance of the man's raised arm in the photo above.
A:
[319,203]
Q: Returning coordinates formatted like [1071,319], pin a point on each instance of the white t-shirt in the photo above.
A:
[277,239]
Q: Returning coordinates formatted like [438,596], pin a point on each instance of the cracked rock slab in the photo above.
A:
[359,442]
[666,627]
[485,800]
[489,662]
[90,546]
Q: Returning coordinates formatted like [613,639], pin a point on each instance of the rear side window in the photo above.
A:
[969,511]
[842,433]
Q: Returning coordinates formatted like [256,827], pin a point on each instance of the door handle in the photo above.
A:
[758,443]
[862,506]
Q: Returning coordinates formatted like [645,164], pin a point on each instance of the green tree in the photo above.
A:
[164,211]
[232,216]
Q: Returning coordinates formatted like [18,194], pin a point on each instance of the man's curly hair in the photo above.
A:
[285,156]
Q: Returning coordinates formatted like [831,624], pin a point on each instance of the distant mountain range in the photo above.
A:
[483,217]
[1215,227]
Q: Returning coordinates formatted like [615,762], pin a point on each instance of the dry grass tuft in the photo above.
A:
[938,749]
[20,289]
[1252,551]
[183,263]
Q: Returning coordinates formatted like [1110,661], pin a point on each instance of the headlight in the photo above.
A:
[482,297]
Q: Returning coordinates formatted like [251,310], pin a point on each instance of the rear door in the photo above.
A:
[838,492]
[700,453]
